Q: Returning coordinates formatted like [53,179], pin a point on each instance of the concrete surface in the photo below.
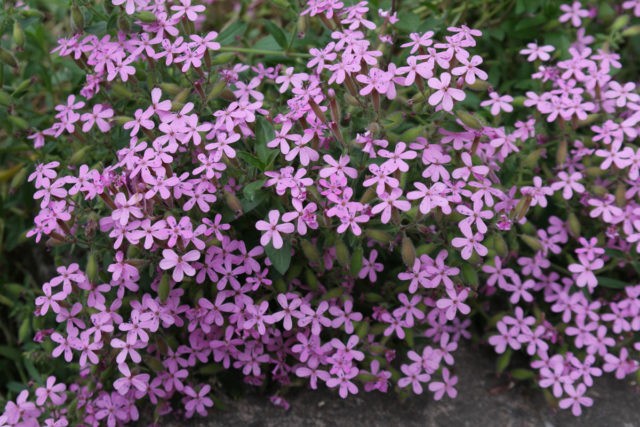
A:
[483,400]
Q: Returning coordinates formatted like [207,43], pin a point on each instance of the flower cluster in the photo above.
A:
[336,217]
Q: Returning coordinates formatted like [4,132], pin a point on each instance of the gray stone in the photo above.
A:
[483,400]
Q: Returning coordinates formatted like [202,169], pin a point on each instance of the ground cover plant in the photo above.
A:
[318,194]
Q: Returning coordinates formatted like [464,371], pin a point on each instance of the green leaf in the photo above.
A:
[503,361]
[277,33]
[10,353]
[252,160]
[251,189]
[522,374]
[610,283]
[280,258]
[264,134]
[228,35]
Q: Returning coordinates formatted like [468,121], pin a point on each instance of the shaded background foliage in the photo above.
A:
[33,80]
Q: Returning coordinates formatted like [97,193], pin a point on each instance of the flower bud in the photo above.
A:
[311,251]
[479,85]
[500,245]
[594,172]
[470,275]
[123,24]
[223,58]
[532,242]
[469,119]
[634,30]
[22,87]
[599,190]
[531,160]
[79,155]
[561,154]
[164,287]
[574,225]
[8,174]
[18,179]
[356,261]
[181,97]
[620,22]
[621,198]
[121,90]
[18,34]
[342,253]
[19,122]
[92,268]
[77,19]
[233,203]
[379,235]
[121,120]
[591,118]
[352,101]
[5,98]
[8,58]
[171,89]
[368,195]
[408,251]
[146,16]
[133,252]
[216,90]
[310,279]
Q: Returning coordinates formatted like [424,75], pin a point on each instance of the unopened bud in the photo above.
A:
[356,261]
[620,22]
[77,19]
[216,90]
[561,154]
[531,160]
[310,251]
[233,203]
[574,225]
[18,179]
[164,287]
[500,245]
[479,85]
[19,122]
[469,119]
[222,58]
[18,34]
[379,235]
[532,242]
[630,32]
[146,16]
[171,89]
[408,251]
[92,268]
[79,155]
[342,253]
[8,58]
[621,198]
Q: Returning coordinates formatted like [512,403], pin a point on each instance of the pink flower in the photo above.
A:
[51,391]
[469,243]
[180,263]
[573,13]
[498,103]
[576,398]
[536,52]
[271,230]
[446,386]
[444,93]
[454,303]
[370,267]
[197,401]
[390,201]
